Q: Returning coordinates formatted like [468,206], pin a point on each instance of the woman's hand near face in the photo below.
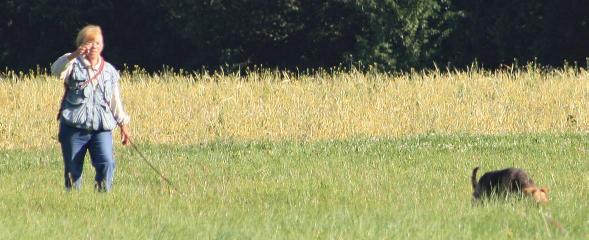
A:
[82,50]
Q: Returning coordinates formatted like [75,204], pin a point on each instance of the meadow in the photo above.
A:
[328,155]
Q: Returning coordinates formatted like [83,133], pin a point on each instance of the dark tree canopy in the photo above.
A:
[393,34]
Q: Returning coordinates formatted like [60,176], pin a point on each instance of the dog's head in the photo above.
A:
[540,195]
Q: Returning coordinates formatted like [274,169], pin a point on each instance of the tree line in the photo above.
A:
[394,35]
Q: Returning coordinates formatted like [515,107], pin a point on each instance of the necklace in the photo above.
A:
[90,79]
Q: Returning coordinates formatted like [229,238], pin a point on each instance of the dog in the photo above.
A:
[506,181]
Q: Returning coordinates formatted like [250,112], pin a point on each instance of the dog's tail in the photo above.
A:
[473,178]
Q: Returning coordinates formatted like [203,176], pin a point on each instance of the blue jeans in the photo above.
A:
[75,143]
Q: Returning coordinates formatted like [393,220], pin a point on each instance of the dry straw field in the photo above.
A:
[193,108]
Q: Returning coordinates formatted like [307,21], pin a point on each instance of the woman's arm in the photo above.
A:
[116,107]
[62,67]
[121,117]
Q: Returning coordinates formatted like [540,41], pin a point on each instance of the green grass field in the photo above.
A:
[405,188]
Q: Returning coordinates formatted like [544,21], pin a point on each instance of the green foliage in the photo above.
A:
[285,33]
[393,34]
[499,31]
[403,34]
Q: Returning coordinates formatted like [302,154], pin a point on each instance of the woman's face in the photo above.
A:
[94,46]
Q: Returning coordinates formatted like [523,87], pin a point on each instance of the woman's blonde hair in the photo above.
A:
[89,32]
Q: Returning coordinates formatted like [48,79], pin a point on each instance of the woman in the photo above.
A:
[91,108]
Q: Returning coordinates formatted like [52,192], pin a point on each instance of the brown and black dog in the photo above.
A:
[506,181]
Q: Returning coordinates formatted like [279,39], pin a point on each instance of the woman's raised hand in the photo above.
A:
[82,50]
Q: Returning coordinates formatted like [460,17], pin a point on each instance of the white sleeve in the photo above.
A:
[62,67]
[116,107]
